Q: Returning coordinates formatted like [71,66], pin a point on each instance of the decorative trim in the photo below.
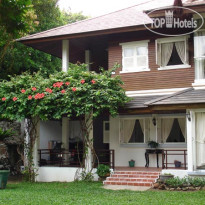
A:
[135,71]
[154,92]
[182,66]
[133,43]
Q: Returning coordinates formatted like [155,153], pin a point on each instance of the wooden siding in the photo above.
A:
[153,79]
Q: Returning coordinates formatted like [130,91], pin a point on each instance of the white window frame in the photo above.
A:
[134,45]
[169,40]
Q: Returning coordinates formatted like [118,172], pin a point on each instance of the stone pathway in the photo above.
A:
[121,187]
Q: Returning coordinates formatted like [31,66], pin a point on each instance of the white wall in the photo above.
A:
[126,152]
[49,130]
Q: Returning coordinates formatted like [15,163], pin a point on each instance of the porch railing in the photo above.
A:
[67,158]
[106,157]
[166,163]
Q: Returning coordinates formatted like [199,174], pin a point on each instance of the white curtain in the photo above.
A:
[166,125]
[182,125]
[128,127]
[180,47]
[166,53]
[158,53]
[199,44]
[200,139]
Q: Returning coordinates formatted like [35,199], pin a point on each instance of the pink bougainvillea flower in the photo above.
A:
[74,89]
[14,99]
[34,89]
[58,84]
[93,81]
[62,91]
[23,91]
[49,90]
[67,83]
[82,81]
[3,99]
[30,97]
[39,96]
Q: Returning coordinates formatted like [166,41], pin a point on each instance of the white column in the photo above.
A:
[87,59]
[191,148]
[65,55]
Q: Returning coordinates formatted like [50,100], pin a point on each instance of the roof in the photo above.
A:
[188,96]
[140,101]
[128,17]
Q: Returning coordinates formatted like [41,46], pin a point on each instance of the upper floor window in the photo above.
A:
[199,55]
[172,53]
[135,56]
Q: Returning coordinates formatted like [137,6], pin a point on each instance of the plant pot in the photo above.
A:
[102,178]
[177,164]
[131,163]
[3,178]
[164,177]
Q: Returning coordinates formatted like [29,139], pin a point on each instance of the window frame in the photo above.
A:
[134,45]
[160,41]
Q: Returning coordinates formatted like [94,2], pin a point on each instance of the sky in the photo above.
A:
[94,8]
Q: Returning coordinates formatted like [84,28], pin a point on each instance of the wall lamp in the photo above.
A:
[188,116]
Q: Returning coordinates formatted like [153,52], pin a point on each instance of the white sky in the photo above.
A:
[94,8]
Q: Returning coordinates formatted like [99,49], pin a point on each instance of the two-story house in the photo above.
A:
[163,74]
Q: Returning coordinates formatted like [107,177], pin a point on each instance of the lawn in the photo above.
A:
[91,193]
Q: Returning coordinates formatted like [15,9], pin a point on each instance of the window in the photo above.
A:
[172,52]
[135,56]
[171,130]
[134,130]
[106,132]
[199,55]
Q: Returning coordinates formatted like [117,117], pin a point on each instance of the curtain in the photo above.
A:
[199,43]
[182,125]
[166,128]
[180,46]
[166,53]
[200,139]
[158,53]
[142,125]
[128,129]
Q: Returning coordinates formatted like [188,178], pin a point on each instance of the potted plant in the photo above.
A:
[132,163]
[153,144]
[165,176]
[103,171]
[4,161]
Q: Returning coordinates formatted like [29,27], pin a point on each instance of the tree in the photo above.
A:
[19,58]
[76,93]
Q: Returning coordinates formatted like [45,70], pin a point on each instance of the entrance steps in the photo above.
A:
[132,178]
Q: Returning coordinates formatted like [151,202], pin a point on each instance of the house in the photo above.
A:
[162,72]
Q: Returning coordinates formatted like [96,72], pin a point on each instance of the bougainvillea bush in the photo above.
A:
[73,93]
[76,93]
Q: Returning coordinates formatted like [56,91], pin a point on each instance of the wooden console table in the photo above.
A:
[152,151]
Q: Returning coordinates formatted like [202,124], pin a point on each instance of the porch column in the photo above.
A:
[191,148]
[65,55]
[36,145]
[89,157]
[87,59]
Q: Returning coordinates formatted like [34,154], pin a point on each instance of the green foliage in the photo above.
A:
[186,181]
[73,93]
[87,176]
[103,170]
[29,175]
[6,134]
[153,144]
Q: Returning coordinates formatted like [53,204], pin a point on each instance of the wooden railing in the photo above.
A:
[67,158]
[106,157]
[166,153]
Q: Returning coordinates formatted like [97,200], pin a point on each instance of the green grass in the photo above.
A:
[91,193]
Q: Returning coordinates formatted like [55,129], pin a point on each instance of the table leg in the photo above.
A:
[157,161]
[147,159]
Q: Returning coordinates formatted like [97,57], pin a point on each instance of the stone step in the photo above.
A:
[131,179]
[128,183]
[134,176]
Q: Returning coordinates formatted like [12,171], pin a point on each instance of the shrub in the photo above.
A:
[103,170]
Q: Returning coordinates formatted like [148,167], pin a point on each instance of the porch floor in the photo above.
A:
[149,169]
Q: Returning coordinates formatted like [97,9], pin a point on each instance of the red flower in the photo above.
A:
[23,91]
[39,96]
[74,89]
[3,99]
[30,97]
[49,90]
[67,83]
[62,91]
[93,81]
[58,84]
[14,99]
[34,89]
[82,81]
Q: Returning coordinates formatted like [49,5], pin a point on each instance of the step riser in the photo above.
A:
[134,176]
[135,172]
[127,183]
[130,180]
